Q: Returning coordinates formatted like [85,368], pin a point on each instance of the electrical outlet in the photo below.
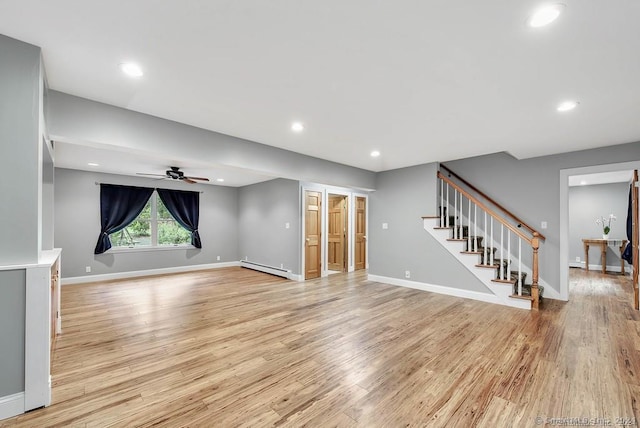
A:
[287,225]
[246,258]
[407,274]
[543,225]
[578,258]
[281,265]
[218,258]
[385,225]
[88,269]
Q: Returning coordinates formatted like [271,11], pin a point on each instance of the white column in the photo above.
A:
[455,213]
[441,202]
[447,216]
[475,228]
[469,227]
[486,254]
[519,266]
[501,251]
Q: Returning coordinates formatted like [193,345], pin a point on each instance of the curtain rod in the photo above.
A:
[97,183]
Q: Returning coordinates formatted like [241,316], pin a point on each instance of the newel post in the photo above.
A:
[535,244]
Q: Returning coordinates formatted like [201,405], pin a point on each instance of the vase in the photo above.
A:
[605,236]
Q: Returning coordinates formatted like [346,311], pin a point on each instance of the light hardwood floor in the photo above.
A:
[233,347]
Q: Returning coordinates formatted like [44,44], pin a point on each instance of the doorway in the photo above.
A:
[337,234]
[566,224]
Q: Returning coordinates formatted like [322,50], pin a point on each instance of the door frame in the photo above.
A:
[564,212]
[351,198]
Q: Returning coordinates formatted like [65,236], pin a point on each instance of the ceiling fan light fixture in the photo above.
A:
[174,173]
[545,15]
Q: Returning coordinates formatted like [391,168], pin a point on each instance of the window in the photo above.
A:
[153,227]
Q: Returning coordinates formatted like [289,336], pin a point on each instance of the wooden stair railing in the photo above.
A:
[486,222]
[493,202]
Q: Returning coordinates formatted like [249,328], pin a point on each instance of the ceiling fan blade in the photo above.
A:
[197,178]
[188,180]
[152,175]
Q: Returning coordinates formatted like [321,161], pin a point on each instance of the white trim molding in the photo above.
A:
[439,289]
[11,405]
[598,268]
[295,277]
[149,272]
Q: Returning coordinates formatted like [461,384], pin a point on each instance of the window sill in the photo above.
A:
[114,250]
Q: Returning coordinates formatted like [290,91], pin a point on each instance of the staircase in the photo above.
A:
[488,240]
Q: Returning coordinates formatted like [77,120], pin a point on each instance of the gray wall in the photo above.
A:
[530,188]
[77,226]
[47,200]
[586,203]
[12,313]
[402,197]
[79,119]
[20,104]
[264,209]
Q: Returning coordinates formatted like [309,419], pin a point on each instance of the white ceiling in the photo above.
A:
[420,81]
[601,178]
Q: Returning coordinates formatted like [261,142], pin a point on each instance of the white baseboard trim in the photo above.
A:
[137,273]
[598,268]
[11,405]
[295,277]
[439,289]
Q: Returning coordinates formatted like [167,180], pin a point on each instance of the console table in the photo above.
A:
[603,244]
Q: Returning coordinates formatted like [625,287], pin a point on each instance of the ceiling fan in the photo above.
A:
[175,174]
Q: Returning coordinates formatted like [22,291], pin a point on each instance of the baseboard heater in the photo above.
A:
[266,268]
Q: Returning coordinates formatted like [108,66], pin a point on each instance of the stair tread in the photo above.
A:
[430,216]
[503,281]
[523,297]
[457,239]
[471,252]
[443,227]
[488,266]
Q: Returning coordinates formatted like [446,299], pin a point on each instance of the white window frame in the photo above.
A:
[153,224]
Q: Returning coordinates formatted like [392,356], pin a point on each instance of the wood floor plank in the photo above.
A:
[234,347]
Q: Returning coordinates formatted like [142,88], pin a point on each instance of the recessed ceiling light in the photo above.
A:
[131,69]
[545,15]
[219,180]
[93,164]
[297,127]
[567,106]
[375,154]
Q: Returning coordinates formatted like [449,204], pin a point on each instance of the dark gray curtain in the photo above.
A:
[119,206]
[185,208]
[627,254]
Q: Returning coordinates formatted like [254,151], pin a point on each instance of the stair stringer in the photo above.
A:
[469,261]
